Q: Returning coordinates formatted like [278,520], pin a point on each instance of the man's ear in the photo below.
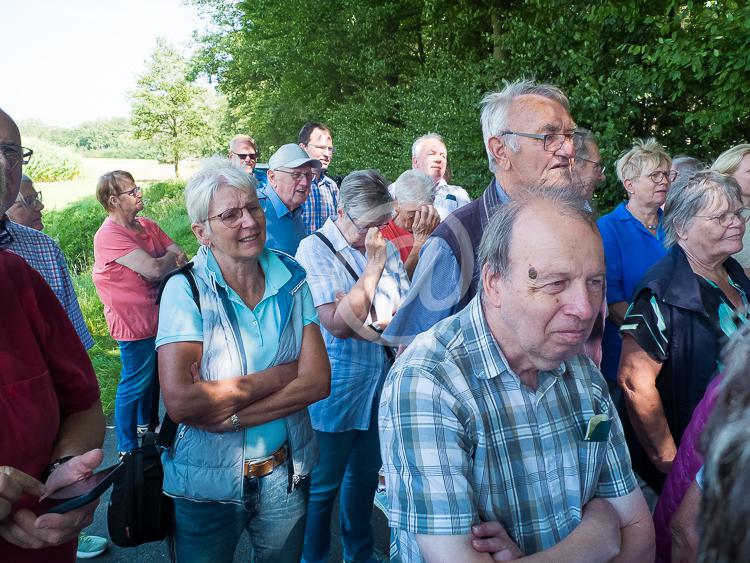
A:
[499,152]
[271,175]
[492,287]
[201,233]
[414,162]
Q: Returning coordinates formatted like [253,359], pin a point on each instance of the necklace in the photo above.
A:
[649,227]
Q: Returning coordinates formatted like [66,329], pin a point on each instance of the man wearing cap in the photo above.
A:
[290,173]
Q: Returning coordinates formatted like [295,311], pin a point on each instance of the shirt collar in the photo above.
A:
[332,233]
[488,360]
[274,271]
[279,206]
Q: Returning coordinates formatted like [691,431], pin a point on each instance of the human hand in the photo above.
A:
[375,246]
[491,537]
[426,220]
[13,484]
[28,531]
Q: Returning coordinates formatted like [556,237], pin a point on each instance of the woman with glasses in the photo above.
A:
[131,256]
[357,282]
[682,313]
[240,359]
[633,237]
[27,210]
[736,163]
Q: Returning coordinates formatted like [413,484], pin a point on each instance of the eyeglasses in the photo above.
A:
[657,177]
[16,153]
[31,200]
[596,164]
[297,176]
[363,230]
[324,148]
[232,217]
[552,141]
[725,219]
[134,192]
[245,156]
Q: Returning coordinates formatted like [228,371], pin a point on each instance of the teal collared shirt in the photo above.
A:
[260,331]
[284,228]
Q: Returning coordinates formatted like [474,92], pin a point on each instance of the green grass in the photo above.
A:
[74,228]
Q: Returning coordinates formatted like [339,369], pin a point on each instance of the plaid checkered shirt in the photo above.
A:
[44,255]
[464,441]
[320,204]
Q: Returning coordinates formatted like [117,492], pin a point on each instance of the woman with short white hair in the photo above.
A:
[240,359]
[357,282]
[736,163]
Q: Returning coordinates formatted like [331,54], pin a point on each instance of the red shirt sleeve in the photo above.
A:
[156,232]
[112,242]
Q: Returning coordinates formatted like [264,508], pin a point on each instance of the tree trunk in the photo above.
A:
[496,50]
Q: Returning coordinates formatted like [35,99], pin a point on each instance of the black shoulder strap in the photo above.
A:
[168,426]
[338,255]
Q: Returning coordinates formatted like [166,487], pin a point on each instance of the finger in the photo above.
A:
[72,521]
[489,545]
[74,470]
[20,481]
[488,529]
[19,529]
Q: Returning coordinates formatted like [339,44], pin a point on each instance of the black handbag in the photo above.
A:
[138,511]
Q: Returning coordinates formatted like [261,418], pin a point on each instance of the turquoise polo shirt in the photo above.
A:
[260,329]
[284,229]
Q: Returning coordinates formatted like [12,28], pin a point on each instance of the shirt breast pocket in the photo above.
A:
[590,461]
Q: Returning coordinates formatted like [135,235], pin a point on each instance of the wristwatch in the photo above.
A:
[54,465]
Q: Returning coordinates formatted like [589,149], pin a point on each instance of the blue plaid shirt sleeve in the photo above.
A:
[426,449]
[70,302]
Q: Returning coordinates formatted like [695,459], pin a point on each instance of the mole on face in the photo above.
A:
[532,273]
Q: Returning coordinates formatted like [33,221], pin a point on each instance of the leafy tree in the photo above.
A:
[167,108]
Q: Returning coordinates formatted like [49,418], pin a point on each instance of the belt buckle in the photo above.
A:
[266,467]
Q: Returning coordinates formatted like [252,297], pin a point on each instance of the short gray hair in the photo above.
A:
[494,250]
[726,441]
[414,185]
[496,109]
[416,145]
[365,193]
[644,151]
[242,137]
[685,201]
[3,164]
[215,173]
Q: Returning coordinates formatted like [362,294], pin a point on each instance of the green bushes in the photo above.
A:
[74,228]
[51,163]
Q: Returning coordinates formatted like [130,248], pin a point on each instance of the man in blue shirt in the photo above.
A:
[290,174]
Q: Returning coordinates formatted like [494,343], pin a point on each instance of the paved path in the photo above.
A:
[157,551]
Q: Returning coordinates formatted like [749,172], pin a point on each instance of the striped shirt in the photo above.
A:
[464,441]
[44,255]
[320,204]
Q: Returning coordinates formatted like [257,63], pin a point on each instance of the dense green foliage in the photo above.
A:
[105,138]
[168,108]
[50,162]
[382,73]
[74,228]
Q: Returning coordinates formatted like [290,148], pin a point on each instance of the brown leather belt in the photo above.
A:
[267,465]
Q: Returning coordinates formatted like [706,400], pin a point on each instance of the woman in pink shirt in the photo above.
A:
[131,255]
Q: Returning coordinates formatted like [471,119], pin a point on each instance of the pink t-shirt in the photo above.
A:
[129,299]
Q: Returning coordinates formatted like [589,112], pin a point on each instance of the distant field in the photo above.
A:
[57,195]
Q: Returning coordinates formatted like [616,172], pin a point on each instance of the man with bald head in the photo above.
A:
[531,140]
[40,251]
[498,438]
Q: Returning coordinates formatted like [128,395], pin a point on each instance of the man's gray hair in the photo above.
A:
[215,172]
[494,250]
[685,201]
[242,137]
[416,145]
[414,185]
[496,110]
[725,511]
[365,193]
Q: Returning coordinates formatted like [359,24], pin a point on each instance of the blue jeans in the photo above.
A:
[208,532]
[134,392]
[350,461]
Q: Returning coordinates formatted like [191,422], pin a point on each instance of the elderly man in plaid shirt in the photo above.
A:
[499,438]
